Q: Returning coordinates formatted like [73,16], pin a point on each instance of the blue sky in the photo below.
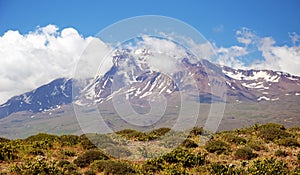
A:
[216,20]
[246,34]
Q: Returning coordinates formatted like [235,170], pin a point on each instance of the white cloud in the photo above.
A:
[294,37]
[281,58]
[245,36]
[36,58]
[227,56]
[33,59]
[218,29]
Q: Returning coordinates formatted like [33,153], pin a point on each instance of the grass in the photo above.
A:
[242,151]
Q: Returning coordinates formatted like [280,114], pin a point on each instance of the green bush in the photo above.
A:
[7,151]
[288,142]
[101,140]
[231,138]
[131,134]
[188,143]
[184,157]
[90,172]
[220,169]
[37,167]
[118,151]
[245,153]
[196,131]
[62,163]
[2,139]
[113,167]
[86,143]
[172,141]
[217,146]
[151,166]
[257,146]
[158,133]
[69,153]
[280,153]
[268,167]
[89,156]
[273,134]
[36,152]
[44,144]
[271,125]
[42,137]
[69,140]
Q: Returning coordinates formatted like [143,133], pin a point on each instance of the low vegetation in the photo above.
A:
[262,149]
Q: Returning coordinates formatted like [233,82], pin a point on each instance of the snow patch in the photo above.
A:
[27,99]
[256,75]
[145,94]
[292,78]
[254,85]
[275,99]
[169,91]
[263,98]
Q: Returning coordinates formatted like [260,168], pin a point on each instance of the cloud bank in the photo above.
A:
[36,58]
[271,56]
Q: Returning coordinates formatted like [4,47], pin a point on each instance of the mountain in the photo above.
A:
[132,77]
[51,95]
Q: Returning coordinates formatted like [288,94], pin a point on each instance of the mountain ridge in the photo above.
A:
[239,85]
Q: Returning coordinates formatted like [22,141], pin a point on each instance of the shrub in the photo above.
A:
[45,144]
[235,139]
[2,139]
[118,151]
[36,167]
[101,140]
[69,153]
[113,167]
[271,125]
[92,141]
[273,133]
[69,140]
[172,141]
[245,153]
[62,163]
[36,152]
[217,146]
[188,143]
[89,156]
[184,157]
[288,142]
[268,167]
[175,169]
[86,143]
[219,169]
[131,134]
[280,153]
[158,133]
[196,131]
[90,172]
[257,146]
[42,137]
[153,165]
[67,167]
[7,152]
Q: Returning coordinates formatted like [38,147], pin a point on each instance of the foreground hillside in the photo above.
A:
[260,149]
